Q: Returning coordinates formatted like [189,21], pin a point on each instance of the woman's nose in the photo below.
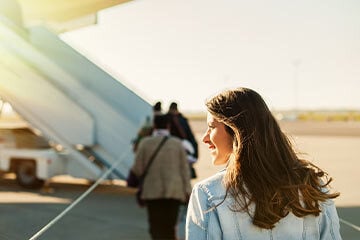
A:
[206,137]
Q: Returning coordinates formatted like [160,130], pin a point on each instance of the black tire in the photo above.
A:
[26,175]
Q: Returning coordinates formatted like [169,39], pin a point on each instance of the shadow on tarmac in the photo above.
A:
[351,215]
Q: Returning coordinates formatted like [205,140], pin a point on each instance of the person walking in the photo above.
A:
[147,128]
[167,182]
[265,191]
[157,108]
[180,127]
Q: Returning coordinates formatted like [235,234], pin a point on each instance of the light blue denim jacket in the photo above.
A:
[222,223]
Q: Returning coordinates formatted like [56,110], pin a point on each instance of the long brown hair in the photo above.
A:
[264,169]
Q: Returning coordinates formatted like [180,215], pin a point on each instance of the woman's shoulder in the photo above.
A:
[212,186]
[214,179]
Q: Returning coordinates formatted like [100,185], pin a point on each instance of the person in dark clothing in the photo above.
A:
[180,127]
[157,109]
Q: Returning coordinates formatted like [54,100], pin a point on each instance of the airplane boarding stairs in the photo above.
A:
[69,99]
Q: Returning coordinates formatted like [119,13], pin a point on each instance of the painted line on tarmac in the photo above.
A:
[357,228]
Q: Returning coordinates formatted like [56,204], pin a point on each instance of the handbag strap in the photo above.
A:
[153,156]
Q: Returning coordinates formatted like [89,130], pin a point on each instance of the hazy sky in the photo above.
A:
[303,54]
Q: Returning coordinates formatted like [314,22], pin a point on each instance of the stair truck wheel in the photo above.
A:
[26,175]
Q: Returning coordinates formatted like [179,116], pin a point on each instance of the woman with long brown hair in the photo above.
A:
[265,191]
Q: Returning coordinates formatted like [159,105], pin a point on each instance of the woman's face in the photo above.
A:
[218,140]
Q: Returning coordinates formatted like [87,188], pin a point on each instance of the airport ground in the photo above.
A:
[110,212]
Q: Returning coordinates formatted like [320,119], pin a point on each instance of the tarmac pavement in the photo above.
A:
[110,211]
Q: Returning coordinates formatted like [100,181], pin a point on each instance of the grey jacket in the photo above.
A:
[169,174]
